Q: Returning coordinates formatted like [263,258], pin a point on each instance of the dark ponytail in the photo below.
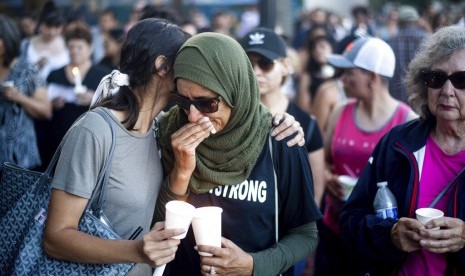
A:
[147,40]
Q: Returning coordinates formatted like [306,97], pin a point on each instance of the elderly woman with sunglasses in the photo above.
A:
[354,128]
[217,150]
[423,162]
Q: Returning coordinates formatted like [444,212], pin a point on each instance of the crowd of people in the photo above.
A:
[375,100]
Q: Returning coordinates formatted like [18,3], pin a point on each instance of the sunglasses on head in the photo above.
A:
[202,105]
[264,64]
[436,79]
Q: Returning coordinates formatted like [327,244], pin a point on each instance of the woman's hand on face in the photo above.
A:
[185,140]
[405,234]
[158,247]
[227,260]
[286,125]
[449,238]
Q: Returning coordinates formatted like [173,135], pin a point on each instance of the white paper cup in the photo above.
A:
[207,227]
[348,183]
[424,215]
[178,215]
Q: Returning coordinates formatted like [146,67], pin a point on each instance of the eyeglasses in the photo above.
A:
[436,79]
[264,64]
[202,105]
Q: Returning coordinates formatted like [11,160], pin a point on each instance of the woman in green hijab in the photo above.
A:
[217,152]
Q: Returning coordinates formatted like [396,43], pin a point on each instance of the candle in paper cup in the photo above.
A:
[207,227]
[77,76]
[178,215]
[78,88]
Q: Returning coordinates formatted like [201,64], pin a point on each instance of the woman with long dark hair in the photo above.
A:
[143,87]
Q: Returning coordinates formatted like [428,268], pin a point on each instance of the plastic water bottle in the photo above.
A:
[385,203]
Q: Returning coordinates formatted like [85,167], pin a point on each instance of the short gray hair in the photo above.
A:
[435,48]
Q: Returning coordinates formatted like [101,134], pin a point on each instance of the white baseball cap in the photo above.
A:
[369,53]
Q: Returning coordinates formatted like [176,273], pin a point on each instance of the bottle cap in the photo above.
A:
[382,184]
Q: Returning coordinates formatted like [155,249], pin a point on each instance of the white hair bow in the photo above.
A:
[109,85]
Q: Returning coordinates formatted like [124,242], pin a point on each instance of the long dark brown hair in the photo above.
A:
[147,40]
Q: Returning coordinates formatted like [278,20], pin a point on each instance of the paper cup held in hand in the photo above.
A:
[207,227]
[424,215]
[348,183]
[178,215]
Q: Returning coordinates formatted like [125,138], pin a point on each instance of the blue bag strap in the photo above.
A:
[104,174]
[96,204]
[47,175]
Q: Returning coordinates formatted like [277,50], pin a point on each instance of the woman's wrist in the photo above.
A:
[178,192]
[141,256]
[249,266]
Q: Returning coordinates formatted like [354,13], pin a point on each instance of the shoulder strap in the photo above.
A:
[103,175]
[276,216]
[276,209]
[102,180]
[451,184]
[51,166]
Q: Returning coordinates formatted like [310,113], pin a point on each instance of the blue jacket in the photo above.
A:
[396,160]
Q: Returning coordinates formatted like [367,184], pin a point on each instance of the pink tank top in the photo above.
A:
[350,149]
[438,170]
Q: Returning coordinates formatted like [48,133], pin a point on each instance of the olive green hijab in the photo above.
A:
[219,63]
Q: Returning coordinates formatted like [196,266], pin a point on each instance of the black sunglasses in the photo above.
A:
[436,79]
[202,105]
[264,64]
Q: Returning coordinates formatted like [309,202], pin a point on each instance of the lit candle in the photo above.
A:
[77,80]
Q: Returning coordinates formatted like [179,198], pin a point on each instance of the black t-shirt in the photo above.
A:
[248,217]
[313,139]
